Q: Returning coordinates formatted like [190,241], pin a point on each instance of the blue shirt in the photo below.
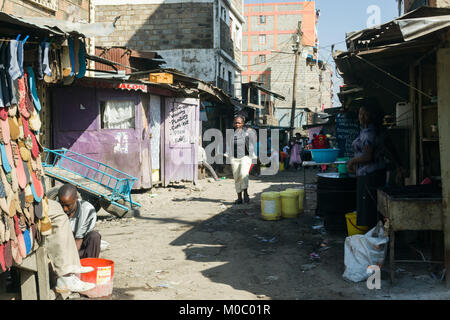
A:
[369,137]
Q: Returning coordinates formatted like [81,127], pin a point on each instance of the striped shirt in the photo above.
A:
[83,221]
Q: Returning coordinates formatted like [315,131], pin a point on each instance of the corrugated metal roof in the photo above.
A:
[413,25]
[48,25]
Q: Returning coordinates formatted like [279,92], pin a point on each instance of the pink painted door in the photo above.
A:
[181,138]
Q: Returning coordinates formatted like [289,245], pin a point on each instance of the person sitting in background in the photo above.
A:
[82,216]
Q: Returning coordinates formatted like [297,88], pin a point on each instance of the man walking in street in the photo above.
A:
[82,216]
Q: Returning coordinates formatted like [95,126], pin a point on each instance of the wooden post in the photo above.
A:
[43,274]
[294,83]
[443,80]
[412,179]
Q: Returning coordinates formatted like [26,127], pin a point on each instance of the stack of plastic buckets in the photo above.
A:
[286,204]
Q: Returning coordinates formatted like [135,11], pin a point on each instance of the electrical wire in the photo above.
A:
[271,58]
[394,77]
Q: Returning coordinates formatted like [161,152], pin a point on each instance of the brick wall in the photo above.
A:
[159,27]
[69,10]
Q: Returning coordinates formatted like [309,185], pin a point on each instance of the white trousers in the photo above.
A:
[241,168]
[60,245]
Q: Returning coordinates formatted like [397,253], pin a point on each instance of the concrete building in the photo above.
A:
[201,38]
[268,39]
[67,10]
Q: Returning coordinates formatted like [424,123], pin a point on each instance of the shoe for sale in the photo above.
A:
[72,284]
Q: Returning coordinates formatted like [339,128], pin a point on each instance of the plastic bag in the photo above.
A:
[362,251]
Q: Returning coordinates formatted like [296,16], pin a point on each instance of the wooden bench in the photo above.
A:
[34,267]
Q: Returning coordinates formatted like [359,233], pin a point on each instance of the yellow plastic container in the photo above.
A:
[281,166]
[271,206]
[289,204]
[352,228]
[301,197]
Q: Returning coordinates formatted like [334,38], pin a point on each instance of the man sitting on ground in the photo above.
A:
[82,216]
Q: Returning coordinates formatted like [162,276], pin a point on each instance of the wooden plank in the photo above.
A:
[43,274]
[28,285]
[420,123]
[443,78]
[412,179]
[84,183]
[28,263]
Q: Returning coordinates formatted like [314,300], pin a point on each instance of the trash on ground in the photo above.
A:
[317,227]
[324,246]
[161,271]
[272,278]
[103,245]
[300,243]
[261,239]
[153,195]
[165,285]
[308,266]
[314,256]
[364,250]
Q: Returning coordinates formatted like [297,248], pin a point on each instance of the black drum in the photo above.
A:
[336,196]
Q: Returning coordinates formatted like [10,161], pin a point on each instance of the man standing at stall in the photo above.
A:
[82,216]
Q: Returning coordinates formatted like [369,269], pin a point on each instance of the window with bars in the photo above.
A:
[262,39]
[262,58]
[262,19]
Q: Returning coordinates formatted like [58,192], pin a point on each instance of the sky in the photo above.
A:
[338,17]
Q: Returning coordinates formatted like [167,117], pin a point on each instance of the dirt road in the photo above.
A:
[191,242]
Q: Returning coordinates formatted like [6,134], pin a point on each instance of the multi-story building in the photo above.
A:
[202,38]
[67,10]
[410,5]
[268,39]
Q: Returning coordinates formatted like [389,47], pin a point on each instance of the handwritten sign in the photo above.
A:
[347,130]
[179,123]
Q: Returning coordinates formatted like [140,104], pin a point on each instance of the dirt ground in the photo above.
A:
[191,242]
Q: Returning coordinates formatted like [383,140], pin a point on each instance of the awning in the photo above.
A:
[48,25]
[12,24]
[261,88]
[413,25]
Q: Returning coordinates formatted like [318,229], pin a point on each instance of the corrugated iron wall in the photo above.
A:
[120,55]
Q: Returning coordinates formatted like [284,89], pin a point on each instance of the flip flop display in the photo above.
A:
[23,202]
[8,255]
[5,163]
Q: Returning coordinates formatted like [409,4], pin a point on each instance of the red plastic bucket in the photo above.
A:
[102,276]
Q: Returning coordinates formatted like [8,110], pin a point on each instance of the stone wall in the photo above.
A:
[159,26]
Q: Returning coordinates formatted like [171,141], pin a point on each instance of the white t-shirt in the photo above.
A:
[84,219]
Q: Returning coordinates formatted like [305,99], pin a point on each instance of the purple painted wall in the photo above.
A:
[76,111]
